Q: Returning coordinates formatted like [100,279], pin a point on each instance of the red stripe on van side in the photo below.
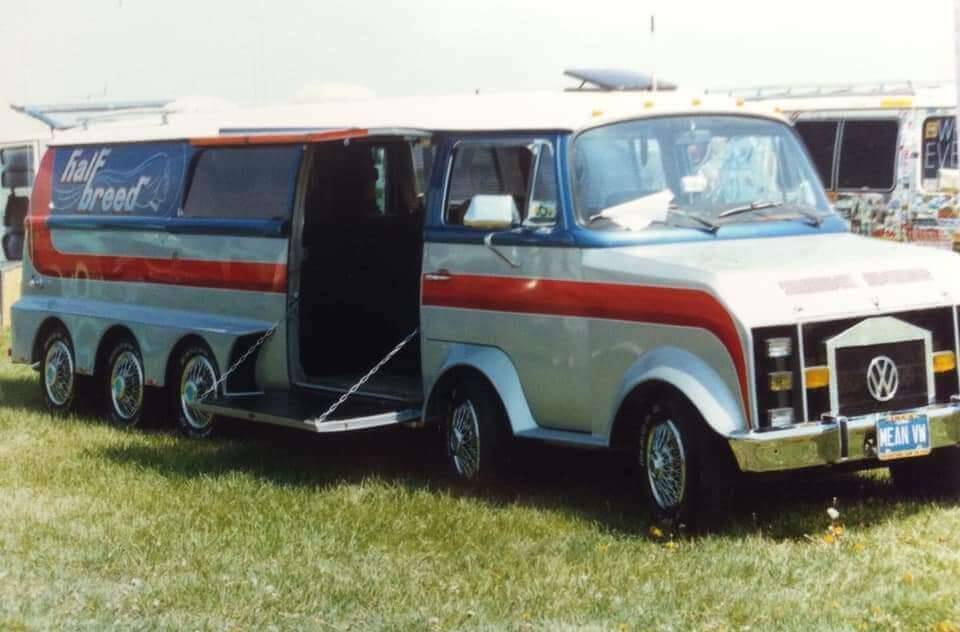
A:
[613,301]
[228,275]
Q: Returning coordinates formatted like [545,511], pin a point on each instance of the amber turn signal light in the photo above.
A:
[817,377]
[944,361]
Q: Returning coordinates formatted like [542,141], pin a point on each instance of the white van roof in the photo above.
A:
[19,128]
[895,95]
[534,111]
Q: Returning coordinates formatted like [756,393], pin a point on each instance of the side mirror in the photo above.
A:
[492,212]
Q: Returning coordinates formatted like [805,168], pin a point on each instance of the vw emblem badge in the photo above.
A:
[883,378]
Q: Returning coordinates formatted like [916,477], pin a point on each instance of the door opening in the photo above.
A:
[359,275]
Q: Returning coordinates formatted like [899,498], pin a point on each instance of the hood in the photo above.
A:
[782,280]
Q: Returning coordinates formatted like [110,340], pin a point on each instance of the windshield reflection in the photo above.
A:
[690,170]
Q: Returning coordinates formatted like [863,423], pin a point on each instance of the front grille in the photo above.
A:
[854,397]
[852,365]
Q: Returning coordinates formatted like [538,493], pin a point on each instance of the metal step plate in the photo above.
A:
[295,409]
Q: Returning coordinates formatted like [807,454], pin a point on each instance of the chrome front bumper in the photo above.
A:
[831,442]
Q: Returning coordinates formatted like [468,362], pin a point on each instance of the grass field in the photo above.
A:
[269,529]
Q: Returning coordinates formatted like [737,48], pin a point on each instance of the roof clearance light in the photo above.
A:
[780,417]
[779,347]
[596,113]
[695,102]
[944,361]
[817,377]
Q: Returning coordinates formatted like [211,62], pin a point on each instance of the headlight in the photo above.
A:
[780,417]
[779,347]
[777,376]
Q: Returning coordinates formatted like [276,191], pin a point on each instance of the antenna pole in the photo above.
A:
[653,46]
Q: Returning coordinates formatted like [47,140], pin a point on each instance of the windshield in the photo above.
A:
[710,169]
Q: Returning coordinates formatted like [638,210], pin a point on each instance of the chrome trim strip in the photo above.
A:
[803,371]
[339,425]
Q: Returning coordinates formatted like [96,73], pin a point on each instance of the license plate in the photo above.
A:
[902,436]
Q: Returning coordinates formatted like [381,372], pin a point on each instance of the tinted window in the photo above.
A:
[488,170]
[820,137]
[243,183]
[868,154]
[939,145]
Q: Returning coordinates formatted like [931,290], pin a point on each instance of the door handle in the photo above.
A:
[488,242]
[35,283]
[439,275]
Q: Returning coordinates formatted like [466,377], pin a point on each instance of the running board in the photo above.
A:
[296,410]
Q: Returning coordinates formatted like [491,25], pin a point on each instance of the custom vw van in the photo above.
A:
[635,271]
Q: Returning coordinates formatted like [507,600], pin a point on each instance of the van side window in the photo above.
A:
[543,195]
[820,137]
[243,183]
[939,145]
[868,154]
[496,169]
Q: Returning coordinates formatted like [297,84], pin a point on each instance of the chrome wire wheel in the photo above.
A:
[464,440]
[126,385]
[197,379]
[58,373]
[665,462]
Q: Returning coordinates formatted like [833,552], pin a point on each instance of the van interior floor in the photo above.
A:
[294,408]
[398,387]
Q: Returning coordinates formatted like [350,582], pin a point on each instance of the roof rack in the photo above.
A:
[802,91]
[71,115]
[615,80]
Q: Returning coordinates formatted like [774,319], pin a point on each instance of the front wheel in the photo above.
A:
[474,429]
[195,376]
[687,476]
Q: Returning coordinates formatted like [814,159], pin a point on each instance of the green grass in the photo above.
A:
[268,528]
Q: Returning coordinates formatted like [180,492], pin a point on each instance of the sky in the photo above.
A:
[267,51]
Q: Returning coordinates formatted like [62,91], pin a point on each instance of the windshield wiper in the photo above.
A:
[705,224]
[813,218]
[749,208]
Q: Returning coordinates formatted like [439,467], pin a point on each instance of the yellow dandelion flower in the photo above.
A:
[622,627]
[525,616]
[656,532]
[828,538]
[946,626]
[671,545]
[908,578]
[858,547]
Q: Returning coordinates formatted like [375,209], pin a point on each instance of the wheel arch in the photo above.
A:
[48,325]
[182,344]
[110,337]
[675,372]
[492,365]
